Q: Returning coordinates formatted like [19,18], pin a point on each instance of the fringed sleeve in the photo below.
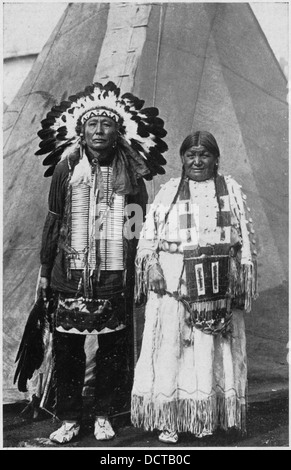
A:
[243,269]
[152,231]
[51,230]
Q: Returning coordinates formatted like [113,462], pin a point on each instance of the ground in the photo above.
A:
[267,427]
[268,411]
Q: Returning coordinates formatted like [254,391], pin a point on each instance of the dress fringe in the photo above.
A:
[243,285]
[195,416]
[142,265]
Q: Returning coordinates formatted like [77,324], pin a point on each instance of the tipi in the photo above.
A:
[205,66]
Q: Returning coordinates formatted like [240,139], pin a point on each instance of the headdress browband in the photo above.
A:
[140,127]
[101,112]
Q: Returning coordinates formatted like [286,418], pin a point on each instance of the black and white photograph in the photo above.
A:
[145,228]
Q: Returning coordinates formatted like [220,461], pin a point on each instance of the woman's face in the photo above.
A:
[100,133]
[199,163]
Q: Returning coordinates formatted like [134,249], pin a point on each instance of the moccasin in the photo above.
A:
[66,432]
[103,430]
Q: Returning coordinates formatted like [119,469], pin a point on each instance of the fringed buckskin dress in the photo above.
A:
[191,375]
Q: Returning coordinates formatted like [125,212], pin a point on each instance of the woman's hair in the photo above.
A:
[208,141]
[200,138]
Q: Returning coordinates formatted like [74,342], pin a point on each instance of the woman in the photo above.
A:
[195,265]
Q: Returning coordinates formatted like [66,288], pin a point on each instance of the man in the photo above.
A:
[101,147]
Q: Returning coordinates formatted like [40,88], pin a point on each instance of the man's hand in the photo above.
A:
[156,279]
[44,285]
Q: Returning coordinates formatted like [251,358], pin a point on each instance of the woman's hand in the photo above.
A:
[156,279]
[44,285]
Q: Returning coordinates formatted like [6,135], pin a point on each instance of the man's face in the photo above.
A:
[100,133]
[199,163]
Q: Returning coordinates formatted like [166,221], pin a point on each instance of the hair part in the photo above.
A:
[204,138]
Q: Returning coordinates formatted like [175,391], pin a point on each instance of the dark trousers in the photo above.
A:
[113,374]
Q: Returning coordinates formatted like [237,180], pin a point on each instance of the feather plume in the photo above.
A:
[46,133]
[49,171]
[46,148]
[54,157]
[133,100]
[150,111]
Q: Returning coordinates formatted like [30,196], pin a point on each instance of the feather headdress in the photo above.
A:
[140,127]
